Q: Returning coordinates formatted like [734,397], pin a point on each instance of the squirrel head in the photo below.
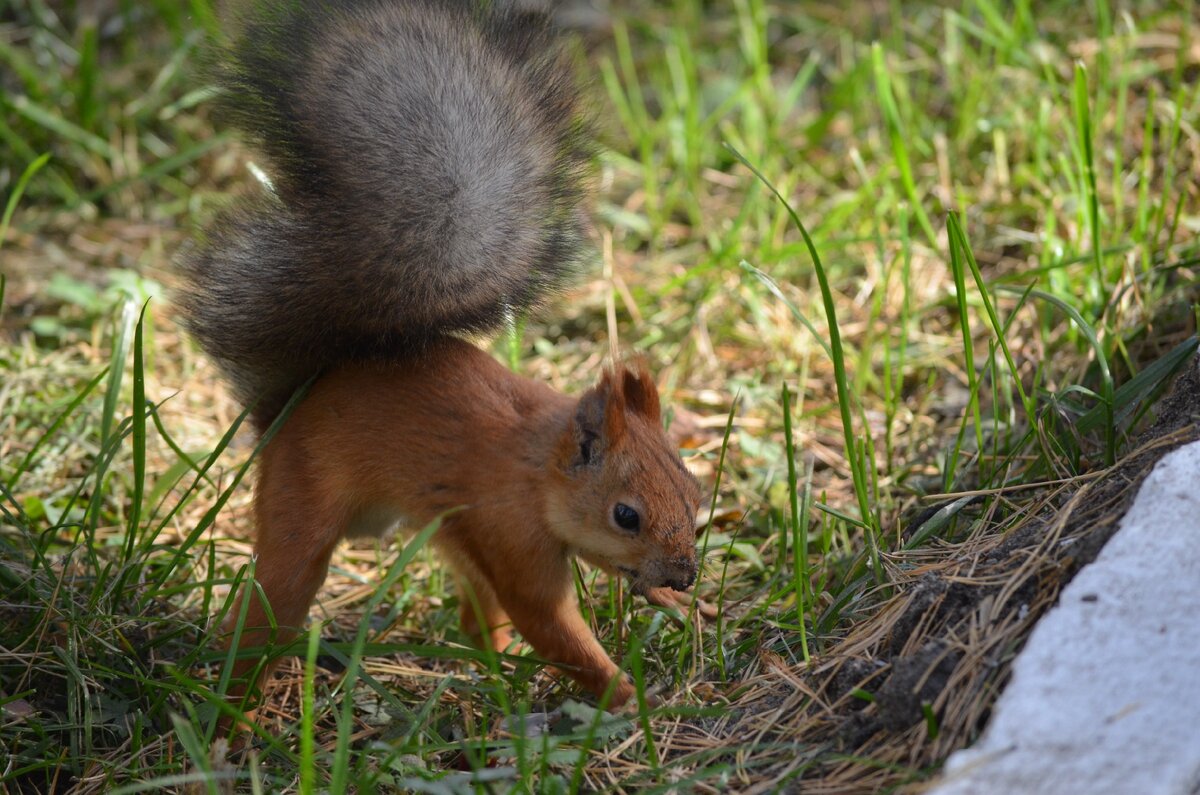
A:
[627,502]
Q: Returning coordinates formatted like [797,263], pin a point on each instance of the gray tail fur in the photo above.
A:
[426,158]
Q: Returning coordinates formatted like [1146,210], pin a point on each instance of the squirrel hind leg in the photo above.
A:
[482,617]
[296,539]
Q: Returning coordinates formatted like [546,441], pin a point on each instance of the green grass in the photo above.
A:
[874,260]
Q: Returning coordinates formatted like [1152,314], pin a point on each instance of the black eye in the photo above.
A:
[626,517]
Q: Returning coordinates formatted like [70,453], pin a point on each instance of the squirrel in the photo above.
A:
[427,161]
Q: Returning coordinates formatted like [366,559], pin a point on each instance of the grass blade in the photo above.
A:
[1142,387]
[1106,381]
[112,396]
[799,533]
[959,239]
[80,396]
[899,139]
[1083,123]
[964,321]
[70,131]
[308,762]
[10,206]
[776,291]
[341,754]
[139,436]
[839,371]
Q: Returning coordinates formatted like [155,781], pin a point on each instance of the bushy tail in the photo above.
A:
[426,158]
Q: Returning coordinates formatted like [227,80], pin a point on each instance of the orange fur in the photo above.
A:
[522,476]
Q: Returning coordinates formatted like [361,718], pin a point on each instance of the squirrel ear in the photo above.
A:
[641,395]
[599,421]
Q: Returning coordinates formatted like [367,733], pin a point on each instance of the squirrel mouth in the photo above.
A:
[640,586]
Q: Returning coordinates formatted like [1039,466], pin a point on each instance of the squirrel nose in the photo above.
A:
[684,577]
[681,585]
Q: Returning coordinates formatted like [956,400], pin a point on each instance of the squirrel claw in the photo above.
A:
[630,708]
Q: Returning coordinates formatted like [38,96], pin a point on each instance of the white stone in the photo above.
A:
[1105,697]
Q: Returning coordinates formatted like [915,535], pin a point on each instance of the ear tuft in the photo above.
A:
[599,421]
[641,395]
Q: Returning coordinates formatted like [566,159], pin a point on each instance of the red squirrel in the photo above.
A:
[426,163]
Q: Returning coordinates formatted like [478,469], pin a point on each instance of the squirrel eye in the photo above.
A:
[626,518]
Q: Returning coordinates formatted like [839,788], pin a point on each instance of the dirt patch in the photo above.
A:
[915,682]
